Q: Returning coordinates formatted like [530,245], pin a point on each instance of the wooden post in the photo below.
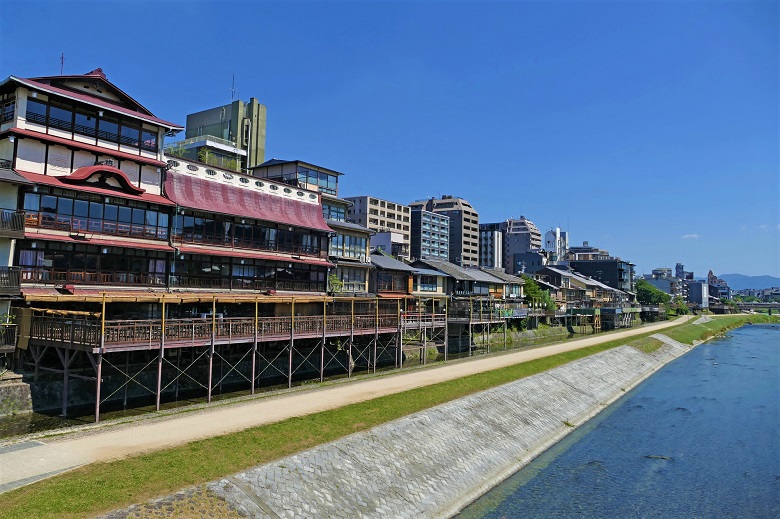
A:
[254,351]
[127,374]
[398,335]
[351,338]
[211,346]
[376,330]
[446,330]
[65,363]
[99,367]
[324,337]
[292,342]
[162,351]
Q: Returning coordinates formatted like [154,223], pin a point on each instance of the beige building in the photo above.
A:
[464,227]
[383,216]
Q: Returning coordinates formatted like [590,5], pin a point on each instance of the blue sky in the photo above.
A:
[647,128]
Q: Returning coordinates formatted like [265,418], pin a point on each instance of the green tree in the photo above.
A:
[679,306]
[534,293]
[335,285]
[647,294]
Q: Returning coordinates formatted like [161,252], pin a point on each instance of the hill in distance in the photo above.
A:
[741,281]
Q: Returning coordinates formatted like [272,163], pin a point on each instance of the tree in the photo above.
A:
[335,285]
[533,293]
[679,306]
[647,294]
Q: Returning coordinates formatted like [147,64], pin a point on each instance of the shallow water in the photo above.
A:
[701,438]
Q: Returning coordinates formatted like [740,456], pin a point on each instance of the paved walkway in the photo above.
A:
[26,462]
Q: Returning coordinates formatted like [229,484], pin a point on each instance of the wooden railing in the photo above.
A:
[83,332]
[9,281]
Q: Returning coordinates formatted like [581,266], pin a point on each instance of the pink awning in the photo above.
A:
[205,195]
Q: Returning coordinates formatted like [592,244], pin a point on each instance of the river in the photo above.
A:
[700,438]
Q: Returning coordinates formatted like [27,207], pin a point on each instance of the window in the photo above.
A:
[211,172]
[149,140]
[108,129]
[8,109]
[130,136]
[85,123]
[36,111]
[192,168]
[244,180]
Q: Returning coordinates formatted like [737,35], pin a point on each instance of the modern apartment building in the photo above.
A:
[556,243]
[491,245]
[230,136]
[464,227]
[430,236]
[502,243]
[383,216]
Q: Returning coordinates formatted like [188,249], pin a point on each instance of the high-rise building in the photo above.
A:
[383,217]
[464,227]
[501,242]
[491,245]
[556,243]
[430,235]
[230,136]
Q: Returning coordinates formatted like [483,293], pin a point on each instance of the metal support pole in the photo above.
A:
[292,339]
[162,351]
[324,337]
[254,350]
[211,346]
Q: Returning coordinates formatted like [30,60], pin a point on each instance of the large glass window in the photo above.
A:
[108,129]
[36,111]
[60,117]
[8,108]
[85,123]
[149,140]
[66,213]
[130,136]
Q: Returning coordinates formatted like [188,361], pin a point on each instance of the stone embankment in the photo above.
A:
[433,463]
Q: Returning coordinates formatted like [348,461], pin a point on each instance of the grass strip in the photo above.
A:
[101,487]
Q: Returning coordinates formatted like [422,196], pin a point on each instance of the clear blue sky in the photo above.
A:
[647,128]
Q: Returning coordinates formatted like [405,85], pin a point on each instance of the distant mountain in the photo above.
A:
[741,281]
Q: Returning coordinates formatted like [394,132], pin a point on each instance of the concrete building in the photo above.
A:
[491,245]
[430,235]
[613,272]
[300,174]
[556,243]
[662,279]
[501,242]
[230,136]
[383,216]
[464,227]
[698,294]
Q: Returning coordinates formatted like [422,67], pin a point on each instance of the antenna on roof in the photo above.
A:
[233,89]
[62,62]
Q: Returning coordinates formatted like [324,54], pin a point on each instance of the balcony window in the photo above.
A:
[7,113]
[108,129]
[60,118]
[85,123]
[36,111]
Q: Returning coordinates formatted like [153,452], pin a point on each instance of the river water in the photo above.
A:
[701,438]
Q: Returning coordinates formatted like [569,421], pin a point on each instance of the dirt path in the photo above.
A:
[33,460]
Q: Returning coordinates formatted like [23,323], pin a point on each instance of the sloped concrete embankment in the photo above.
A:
[433,463]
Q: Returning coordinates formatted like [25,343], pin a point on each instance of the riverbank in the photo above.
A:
[139,478]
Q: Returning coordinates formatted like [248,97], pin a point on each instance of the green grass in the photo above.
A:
[107,486]
[647,344]
[719,324]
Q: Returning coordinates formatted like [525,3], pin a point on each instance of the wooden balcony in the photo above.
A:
[11,224]
[84,334]
[9,281]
